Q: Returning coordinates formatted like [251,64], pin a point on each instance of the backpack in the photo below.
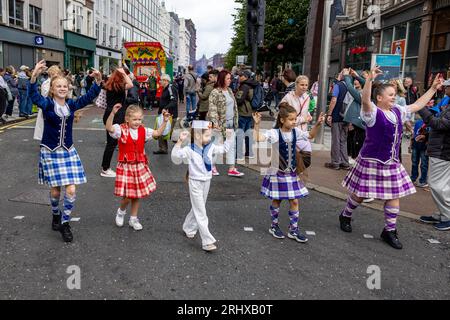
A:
[258,97]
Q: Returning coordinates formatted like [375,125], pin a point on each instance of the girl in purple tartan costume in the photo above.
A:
[282,182]
[378,172]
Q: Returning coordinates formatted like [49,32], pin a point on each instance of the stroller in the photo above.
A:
[267,104]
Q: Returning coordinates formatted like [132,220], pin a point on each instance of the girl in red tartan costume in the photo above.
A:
[134,179]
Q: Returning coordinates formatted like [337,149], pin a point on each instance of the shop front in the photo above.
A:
[404,38]
[106,60]
[19,48]
[80,52]
[439,56]
[359,48]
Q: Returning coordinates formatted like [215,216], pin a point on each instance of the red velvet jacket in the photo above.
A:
[132,151]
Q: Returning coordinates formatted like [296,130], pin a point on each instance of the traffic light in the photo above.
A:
[256,16]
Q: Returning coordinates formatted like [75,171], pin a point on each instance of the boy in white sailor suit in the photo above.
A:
[199,154]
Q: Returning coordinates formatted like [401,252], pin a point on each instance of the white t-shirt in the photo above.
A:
[370,118]
[133,132]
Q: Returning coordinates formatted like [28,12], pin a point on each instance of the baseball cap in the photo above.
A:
[245,73]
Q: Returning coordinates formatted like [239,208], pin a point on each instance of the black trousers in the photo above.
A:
[111,145]
[3,100]
[355,141]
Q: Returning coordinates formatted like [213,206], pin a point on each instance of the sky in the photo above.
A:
[213,22]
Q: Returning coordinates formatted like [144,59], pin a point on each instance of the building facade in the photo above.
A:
[174,40]
[25,38]
[185,45]
[164,28]
[140,20]
[419,30]
[190,26]
[79,38]
[108,32]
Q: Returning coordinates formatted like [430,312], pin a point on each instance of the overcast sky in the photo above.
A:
[213,22]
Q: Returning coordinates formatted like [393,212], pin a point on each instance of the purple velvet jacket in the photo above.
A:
[383,140]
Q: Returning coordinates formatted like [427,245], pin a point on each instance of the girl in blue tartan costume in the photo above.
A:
[282,182]
[60,165]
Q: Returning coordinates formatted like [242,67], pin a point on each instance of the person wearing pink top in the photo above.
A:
[300,99]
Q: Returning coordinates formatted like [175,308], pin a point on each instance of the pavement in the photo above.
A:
[161,263]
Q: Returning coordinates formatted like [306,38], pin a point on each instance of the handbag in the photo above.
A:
[158,123]
[303,160]
[101,100]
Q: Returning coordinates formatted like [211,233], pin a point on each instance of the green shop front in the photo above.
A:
[80,52]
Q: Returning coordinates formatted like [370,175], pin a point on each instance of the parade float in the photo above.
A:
[149,58]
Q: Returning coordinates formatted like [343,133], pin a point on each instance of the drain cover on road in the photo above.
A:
[35,196]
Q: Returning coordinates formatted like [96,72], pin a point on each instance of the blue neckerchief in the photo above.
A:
[204,153]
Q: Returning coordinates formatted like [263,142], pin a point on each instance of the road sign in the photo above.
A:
[241,60]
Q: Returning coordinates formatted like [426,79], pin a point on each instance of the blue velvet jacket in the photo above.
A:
[57,130]
[284,151]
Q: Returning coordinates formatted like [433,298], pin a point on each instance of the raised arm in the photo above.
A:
[109,122]
[355,94]
[367,91]
[423,100]
[257,136]
[179,153]
[315,129]
[128,82]
[158,133]
[93,93]
[33,92]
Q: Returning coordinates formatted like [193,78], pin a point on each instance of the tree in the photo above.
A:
[284,33]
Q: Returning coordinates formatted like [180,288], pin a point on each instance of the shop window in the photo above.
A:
[387,40]
[365,4]
[415,29]
[400,32]
[16,13]
[410,68]
[35,18]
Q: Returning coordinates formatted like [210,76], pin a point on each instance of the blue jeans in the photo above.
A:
[419,157]
[23,103]
[191,102]
[245,132]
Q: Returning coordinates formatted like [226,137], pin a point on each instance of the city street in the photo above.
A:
[159,262]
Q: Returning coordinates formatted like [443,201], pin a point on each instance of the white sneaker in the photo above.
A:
[215,172]
[209,247]
[190,235]
[134,223]
[108,173]
[119,219]
[368,200]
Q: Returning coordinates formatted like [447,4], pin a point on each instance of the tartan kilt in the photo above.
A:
[283,186]
[372,179]
[134,180]
[60,168]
